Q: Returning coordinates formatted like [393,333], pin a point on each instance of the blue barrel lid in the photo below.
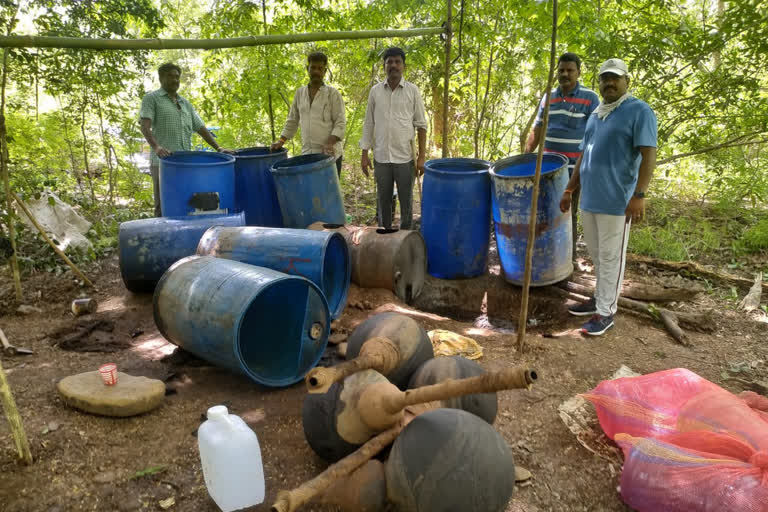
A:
[457,166]
[197,158]
[524,166]
[258,152]
[303,163]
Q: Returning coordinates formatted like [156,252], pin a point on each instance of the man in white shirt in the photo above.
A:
[395,111]
[319,110]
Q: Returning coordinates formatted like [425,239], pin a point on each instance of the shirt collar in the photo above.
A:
[572,93]
[400,85]
[163,92]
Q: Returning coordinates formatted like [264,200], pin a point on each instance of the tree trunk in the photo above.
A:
[72,159]
[477,104]
[481,116]
[106,144]
[85,150]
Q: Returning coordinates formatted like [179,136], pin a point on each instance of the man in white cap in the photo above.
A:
[613,172]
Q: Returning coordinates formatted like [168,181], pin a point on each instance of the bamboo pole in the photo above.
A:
[206,44]
[50,242]
[535,199]
[447,78]
[14,419]
[13,261]
[269,75]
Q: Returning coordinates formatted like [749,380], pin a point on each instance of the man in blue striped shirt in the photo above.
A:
[570,106]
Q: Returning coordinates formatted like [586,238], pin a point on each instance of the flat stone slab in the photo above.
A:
[129,397]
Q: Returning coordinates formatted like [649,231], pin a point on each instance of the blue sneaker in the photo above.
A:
[597,325]
[585,309]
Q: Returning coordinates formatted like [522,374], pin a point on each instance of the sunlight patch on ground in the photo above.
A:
[408,311]
[112,304]
[155,347]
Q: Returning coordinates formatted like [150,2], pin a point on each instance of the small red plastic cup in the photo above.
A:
[108,373]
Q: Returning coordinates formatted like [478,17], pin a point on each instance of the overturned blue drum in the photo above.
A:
[320,256]
[147,247]
[266,325]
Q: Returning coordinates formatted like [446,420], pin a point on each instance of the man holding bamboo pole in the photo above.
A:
[613,172]
[167,123]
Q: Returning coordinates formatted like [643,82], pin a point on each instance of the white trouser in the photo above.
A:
[606,237]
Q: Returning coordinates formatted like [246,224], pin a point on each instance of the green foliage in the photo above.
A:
[696,67]
[755,238]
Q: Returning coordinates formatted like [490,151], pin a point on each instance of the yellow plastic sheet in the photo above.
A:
[448,343]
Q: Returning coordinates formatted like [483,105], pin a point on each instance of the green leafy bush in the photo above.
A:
[755,238]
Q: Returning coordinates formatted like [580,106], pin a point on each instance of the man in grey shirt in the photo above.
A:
[318,110]
[395,111]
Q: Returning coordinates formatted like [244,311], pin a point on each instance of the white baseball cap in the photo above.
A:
[615,66]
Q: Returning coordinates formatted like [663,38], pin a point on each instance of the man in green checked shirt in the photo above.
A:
[167,122]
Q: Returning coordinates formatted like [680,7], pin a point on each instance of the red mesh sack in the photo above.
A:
[689,445]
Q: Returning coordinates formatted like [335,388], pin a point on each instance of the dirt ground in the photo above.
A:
[86,462]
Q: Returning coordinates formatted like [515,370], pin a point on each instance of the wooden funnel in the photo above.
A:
[379,354]
[381,404]
[366,403]
[393,344]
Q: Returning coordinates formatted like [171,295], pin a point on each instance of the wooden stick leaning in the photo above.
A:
[50,242]
[14,419]
[523,317]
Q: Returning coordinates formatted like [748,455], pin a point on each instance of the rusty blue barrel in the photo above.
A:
[512,191]
[255,193]
[147,247]
[308,190]
[320,256]
[456,217]
[266,325]
[197,182]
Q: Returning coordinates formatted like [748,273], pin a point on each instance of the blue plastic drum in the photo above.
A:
[197,182]
[456,217]
[512,184]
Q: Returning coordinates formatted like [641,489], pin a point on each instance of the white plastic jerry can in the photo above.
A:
[231,460]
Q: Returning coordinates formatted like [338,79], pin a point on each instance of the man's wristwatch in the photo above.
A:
[639,195]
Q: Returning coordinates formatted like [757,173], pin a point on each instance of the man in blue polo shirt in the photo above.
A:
[570,106]
[619,155]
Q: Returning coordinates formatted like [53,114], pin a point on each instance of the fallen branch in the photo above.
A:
[648,293]
[695,321]
[751,385]
[694,268]
[669,320]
